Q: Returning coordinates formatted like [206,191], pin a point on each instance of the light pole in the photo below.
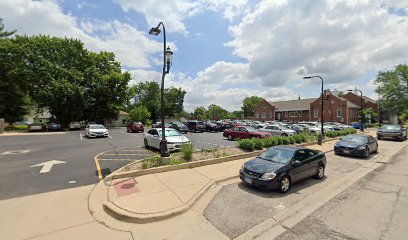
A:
[322,129]
[379,107]
[167,62]
[361,108]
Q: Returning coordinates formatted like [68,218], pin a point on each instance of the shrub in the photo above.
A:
[151,162]
[303,137]
[18,127]
[332,134]
[258,143]
[291,140]
[270,142]
[246,144]
[285,140]
[187,150]
[297,138]
[279,140]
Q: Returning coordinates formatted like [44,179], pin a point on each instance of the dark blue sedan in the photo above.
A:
[280,166]
[356,145]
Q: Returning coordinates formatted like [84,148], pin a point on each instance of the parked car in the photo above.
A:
[156,124]
[196,126]
[222,125]
[96,130]
[314,129]
[211,127]
[174,139]
[296,128]
[22,123]
[135,127]
[356,125]
[356,145]
[54,127]
[276,130]
[392,131]
[74,125]
[179,126]
[281,166]
[36,127]
[242,132]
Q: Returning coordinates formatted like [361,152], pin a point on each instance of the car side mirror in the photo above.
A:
[296,163]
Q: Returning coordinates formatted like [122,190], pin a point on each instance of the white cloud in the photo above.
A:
[340,40]
[131,46]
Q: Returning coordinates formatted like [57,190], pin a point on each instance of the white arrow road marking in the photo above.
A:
[46,166]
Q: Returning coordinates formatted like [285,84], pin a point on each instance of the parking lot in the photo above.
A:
[237,207]
[75,159]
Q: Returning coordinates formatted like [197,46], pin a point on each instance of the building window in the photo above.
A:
[263,115]
[257,115]
[316,113]
[286,114]
[339,113]
[300,113]
[292,114]
[270,114]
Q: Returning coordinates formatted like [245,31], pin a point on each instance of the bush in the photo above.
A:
[187,150]
[16,128]
[285,141]
[270,142]
[246,144]
[279,140]
[151,162]
[297,138]
[291,140]
[258,143]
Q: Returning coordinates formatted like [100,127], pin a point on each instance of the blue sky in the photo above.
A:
[226,50]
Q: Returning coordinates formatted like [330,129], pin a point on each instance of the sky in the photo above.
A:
[226,50]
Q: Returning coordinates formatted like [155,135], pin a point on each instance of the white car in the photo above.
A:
[276,130]
[174,139]
[96,130]
[156,124]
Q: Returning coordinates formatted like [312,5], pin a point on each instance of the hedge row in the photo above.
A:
[256,143]
[259,144]
[333,134]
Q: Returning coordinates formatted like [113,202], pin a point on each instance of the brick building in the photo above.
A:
[335,109]
[290,111]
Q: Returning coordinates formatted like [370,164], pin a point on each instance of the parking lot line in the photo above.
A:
[98,168]
[80,136]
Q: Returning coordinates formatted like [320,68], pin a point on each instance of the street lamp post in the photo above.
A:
[167,62]
[322,128]
[379,107]
[361,108]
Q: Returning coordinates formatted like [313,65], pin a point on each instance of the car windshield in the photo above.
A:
[251,129]
[171,133]
[277,155]
[96,127]
[355,138]
[390,127]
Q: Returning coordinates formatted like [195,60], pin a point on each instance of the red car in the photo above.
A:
[241,132]
[135,127]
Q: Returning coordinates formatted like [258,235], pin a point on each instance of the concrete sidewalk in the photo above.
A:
[158,196]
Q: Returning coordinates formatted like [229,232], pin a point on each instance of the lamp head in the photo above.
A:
[154,31]
[307,77]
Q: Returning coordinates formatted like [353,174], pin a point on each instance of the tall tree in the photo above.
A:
[216,112]
[200,113]
[4,33]
[248,105]
[174,100]
[147,94]
[393,89]
[13,98]
[139,114]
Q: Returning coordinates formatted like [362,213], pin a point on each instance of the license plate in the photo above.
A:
[346,151]
[248,180]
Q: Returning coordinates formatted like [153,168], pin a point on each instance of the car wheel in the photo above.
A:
[284,184]
[146,143]
[367,153]
[320,172]
[379,137]
[230,137]
[284,135]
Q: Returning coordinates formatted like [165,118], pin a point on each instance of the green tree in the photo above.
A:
[393,89]
[4,33]
[147,94]
[139,114]
[200,113]
[341,94]
[174,100]
[13,98]
[236,115]
[216,112]
[73,84]
[248,105]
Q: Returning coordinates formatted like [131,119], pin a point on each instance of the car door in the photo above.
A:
[243,133]
[235,132]
[300,169]
[311,161]
[153,138]
[372,144]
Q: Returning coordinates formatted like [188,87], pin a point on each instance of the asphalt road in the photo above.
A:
[19,153]
[237,208]
[374,208]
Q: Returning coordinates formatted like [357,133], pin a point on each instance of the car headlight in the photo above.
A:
[243,167]
[268,176]
[361,148]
